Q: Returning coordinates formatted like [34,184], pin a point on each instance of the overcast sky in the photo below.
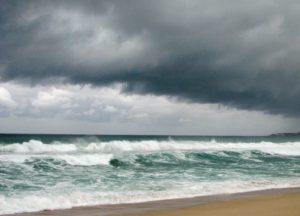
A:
[150,67]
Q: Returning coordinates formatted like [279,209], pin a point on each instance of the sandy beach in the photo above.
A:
[259,203]
[149,108]
[263,205]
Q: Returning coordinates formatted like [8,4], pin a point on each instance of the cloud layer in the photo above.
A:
[107,110]
[241,54]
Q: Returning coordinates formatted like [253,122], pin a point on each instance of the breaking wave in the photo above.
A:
[35,146]
[37,175]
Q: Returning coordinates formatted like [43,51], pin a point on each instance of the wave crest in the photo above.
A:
[120,146]
[36,146]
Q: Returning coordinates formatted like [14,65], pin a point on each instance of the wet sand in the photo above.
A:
[275,202]
[263,205]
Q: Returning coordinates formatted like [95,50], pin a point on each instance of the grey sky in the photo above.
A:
[187,67]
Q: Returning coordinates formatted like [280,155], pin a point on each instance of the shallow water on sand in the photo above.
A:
[61,171]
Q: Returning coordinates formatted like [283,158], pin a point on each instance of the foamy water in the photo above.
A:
[62,173]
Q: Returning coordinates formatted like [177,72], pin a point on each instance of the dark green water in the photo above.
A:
[62,171]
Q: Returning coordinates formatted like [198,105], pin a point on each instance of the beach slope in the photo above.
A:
[263,205]
[278,202]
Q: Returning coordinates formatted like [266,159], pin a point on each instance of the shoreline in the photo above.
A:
[167,206]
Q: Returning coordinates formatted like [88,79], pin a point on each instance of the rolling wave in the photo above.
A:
[35,146]
[36,175]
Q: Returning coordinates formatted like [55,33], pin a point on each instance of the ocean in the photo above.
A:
[40,172]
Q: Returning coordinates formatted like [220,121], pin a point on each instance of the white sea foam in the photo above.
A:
[72,159]
[36,146]
[288,148]
[63,200]
[16,158]
[117,146]
[100,153]
[86,159]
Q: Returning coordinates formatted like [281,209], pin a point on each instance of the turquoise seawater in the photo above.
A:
[61,171]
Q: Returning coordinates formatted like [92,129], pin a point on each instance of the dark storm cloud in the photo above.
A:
[239,53]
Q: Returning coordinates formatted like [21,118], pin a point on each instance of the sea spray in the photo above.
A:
[53,172]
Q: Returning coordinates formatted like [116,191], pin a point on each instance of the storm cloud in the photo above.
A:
[241,54]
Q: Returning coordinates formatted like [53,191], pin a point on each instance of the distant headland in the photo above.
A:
[286,134]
